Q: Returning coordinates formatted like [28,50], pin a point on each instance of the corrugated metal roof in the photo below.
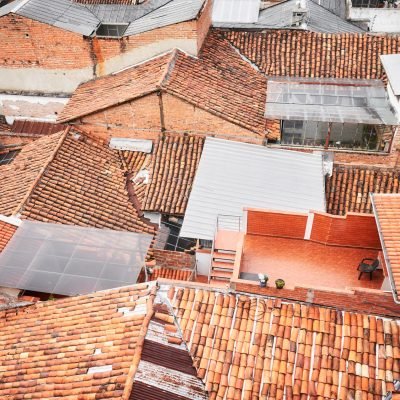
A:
[279,16]
[235,11]
[233,175]
[60,13]
[171,13]
[35,128]
[85,18]
[391,63]
[124,13]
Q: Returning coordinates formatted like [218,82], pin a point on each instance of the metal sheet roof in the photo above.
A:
[63,14]
[171,13]
[329,100]
[124,13]
[85,19]
[233,175]
[279,16]
[391,63]
[235,11]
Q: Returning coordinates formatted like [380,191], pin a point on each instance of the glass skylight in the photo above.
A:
[70,260]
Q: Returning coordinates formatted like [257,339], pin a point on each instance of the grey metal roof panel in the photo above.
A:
[60,13]
[279,16]
[235,11]
[391,63]
[233,175]
[171,13]
[11,7]
[125,13]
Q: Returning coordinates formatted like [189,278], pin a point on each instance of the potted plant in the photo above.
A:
[279,283]
[263,278]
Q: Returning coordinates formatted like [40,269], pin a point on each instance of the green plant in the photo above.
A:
[279,283]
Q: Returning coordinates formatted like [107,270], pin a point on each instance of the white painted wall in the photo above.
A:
[35,108]
[380,19]
[203,258]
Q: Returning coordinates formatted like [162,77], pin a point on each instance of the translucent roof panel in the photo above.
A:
[70,260]
[329,100]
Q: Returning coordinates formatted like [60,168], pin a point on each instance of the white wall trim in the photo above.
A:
[310,221]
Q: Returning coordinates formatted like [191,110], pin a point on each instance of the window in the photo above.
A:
[342,135]
[7,158]
[368,3]
[111,30]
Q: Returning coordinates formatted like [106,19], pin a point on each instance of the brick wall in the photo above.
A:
[27,43]
[166,258]
[141,118]
[356,230]
[363,300]
[276,224]
[204,23]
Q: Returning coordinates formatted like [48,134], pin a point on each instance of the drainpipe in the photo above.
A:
[328,136]
[385,255]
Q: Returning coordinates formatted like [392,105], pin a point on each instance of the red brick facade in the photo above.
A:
[177,259]
[149,115]
[360,300]
[278,224]
[355,230]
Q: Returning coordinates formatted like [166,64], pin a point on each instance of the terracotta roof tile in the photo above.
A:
[101,93]
[219,81]
[35,128]
[387,208]
[47,349]
[84,185]
[6,233]
[18,178]
[253,347]
[172,171]
[179,274]
[349,186]
[308,54]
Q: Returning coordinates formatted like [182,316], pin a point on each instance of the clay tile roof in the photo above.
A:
[6,233]
[172,172]
[308,54]
[35,128]
[47,349]
[387,214]
[64,178]
[248,347]
[220,81]
[179,274]
[19,177]
[349,186]
[101,93]
[84,185]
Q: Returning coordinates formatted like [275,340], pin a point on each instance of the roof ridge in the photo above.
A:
[140,343]
[41,172]
[170,65]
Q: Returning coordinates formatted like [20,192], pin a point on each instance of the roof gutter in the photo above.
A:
[385,255]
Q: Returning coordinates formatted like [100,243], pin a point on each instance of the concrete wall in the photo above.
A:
[36,108]
[380,19]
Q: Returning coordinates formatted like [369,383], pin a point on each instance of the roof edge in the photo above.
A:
[384,250]
[32,187]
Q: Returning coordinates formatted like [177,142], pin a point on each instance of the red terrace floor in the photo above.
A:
[301,262]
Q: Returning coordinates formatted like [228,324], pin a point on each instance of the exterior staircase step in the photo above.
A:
[222,265]
[229,257]
[221,274]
